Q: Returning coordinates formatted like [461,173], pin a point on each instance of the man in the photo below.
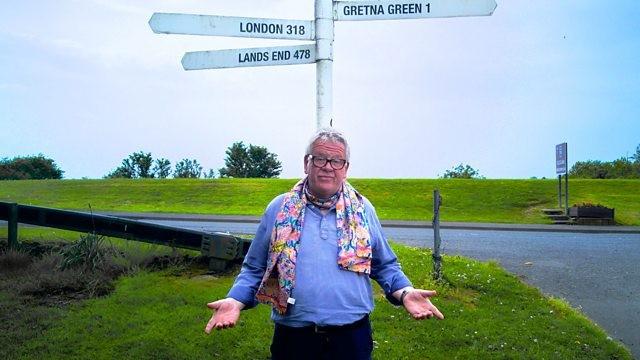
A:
[312,258]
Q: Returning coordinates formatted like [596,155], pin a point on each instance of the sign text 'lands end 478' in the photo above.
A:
[279,55]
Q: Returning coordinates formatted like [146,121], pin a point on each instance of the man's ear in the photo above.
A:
[306,163]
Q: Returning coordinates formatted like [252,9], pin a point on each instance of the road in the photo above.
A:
[595,272]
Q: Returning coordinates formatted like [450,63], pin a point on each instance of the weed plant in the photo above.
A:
[90,253]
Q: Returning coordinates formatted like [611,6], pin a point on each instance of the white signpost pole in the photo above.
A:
[324,63]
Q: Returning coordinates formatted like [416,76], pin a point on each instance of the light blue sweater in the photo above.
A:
[324,294]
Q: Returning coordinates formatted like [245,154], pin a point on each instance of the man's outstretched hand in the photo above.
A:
[226,313]
[418,305]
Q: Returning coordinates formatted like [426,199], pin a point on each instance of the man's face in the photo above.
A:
[325,181]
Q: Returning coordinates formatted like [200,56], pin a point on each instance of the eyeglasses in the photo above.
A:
[336,164]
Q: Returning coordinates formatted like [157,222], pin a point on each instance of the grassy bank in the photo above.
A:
[161,315]
[502,201]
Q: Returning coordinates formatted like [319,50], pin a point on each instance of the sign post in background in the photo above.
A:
[437,258]
[562,168]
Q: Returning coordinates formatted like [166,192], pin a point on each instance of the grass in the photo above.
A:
[161,315]
[24,320]
[501,201]
[39,280]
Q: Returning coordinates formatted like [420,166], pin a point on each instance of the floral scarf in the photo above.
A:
[354,241]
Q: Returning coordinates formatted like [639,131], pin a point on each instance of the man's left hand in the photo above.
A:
[418,305]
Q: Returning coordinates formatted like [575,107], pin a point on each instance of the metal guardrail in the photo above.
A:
[220,248]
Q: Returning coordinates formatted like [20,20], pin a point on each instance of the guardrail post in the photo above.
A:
[13,226]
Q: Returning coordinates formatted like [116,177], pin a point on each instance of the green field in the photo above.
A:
[489,312]
[161,315]
[500,201]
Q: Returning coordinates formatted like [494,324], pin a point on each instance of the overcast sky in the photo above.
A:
[87,83]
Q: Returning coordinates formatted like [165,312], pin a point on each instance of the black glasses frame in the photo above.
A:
[320,162]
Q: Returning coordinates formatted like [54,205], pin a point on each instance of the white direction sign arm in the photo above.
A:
[268,56]
[403,9]
[167,23]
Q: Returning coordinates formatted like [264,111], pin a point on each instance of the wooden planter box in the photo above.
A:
[599,212]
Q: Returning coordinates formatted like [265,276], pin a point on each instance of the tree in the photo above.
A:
[162,168]
[262,163]
[462,172]
[29,167]
[236,161]
[186,168]
[622,168]
[636,156]
[142,163]
[120,172]
[211,174]
[252,162]
[137,165]
[591,169]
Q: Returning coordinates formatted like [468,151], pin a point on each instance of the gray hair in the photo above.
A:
[332,135]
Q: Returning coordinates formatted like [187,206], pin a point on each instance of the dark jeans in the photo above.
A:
[352,342]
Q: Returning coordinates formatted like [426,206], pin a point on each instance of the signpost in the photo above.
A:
[562,168]
[281,55]
[320,31]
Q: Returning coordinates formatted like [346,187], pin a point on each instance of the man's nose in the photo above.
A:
[327,166]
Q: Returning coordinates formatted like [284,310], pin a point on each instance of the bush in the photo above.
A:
[621,168]
[186,168]
[137,165]
[162,168]
[89,254]
[462,172]
[29,167]
[211,174]
[141,165]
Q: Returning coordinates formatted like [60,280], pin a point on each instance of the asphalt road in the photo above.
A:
[597,273]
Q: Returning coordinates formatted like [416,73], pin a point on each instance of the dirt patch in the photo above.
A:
[42,272]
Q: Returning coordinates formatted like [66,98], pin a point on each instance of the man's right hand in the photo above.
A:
[226,313]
